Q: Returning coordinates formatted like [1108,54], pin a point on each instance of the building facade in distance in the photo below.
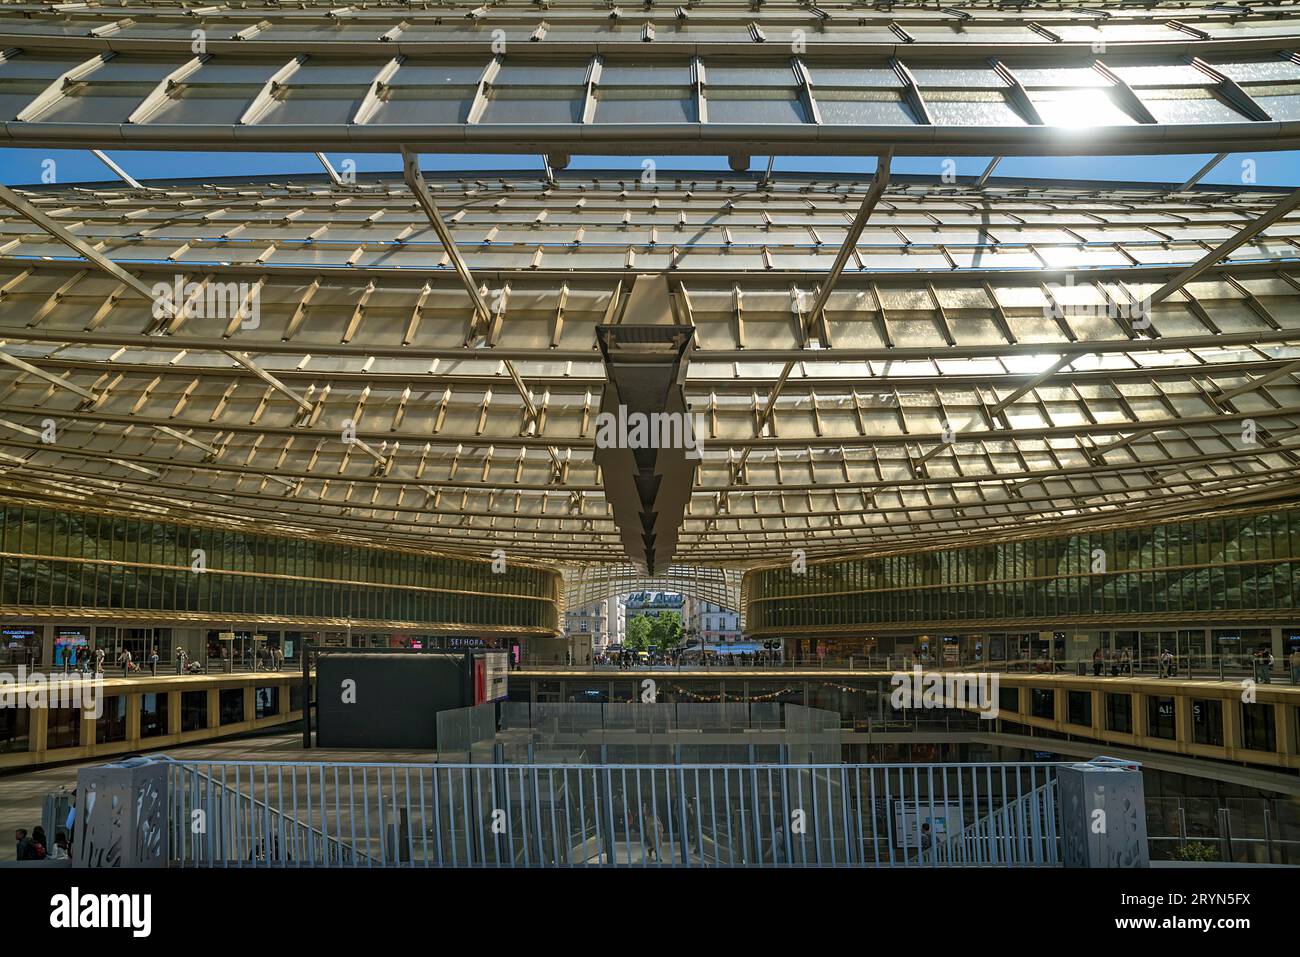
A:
[710,623]
[590,629]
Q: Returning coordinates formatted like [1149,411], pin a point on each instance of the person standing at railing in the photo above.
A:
[1098,662]
[1264,666]
[652,832]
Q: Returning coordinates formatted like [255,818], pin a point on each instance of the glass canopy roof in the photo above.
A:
[877,365]
[833,78]
[979,362]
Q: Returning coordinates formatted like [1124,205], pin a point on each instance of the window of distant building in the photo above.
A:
[1079,708]
[1042,703]
[1207,721]
[1119,713]
[1257,732]
[1160,717]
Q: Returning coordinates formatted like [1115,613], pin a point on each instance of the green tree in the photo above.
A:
[666,631]
[638,633]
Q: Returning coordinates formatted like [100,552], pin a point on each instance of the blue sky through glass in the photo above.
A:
[23,167]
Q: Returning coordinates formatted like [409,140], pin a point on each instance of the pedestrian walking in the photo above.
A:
[153,661]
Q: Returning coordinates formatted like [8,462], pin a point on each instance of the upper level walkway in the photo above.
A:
[1240,719]
[75,717]
[1235,719]
[1185,667]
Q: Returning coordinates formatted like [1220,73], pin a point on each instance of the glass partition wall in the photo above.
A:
[62,559]
[1229,562]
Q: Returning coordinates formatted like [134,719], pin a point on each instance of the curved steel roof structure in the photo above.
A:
[975,364]
[709,77]
[879,363]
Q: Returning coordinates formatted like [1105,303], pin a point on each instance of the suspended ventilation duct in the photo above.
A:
[646,439]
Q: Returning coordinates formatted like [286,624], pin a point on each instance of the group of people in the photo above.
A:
[183,664]
[36,846]
[625,659]
[257,659]
[87,660]
[1120,663]
[82,658]
[1262,665]
[269,659]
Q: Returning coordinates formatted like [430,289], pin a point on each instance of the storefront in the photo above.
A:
[1235,642]
[71,646]
[21,645]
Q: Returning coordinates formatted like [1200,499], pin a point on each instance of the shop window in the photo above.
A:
[1257,730]
[20,645]
[15,730]
[1160,717]
[1207,721]
[1043,703]
[1119,713]
[232,705]
[64,728]
[153,715]
[111,725]
[194,710]
[267,702]
[1079,706]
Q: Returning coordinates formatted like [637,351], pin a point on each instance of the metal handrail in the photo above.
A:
[333,849]
[380,814]
[1187,665]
